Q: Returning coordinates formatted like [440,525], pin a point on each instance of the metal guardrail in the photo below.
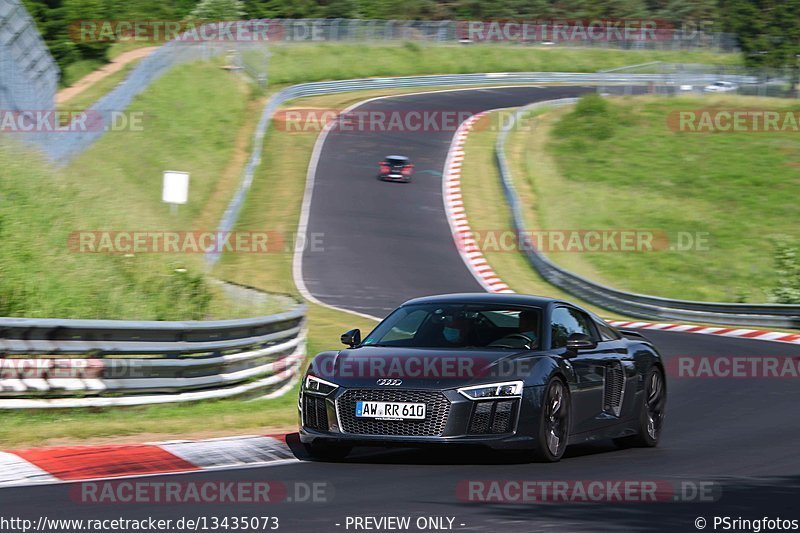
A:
[49,363]
[631,304]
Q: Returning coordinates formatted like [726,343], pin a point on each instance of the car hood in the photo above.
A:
[424,367]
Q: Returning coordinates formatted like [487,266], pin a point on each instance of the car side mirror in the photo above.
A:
[352,338]
[580,341]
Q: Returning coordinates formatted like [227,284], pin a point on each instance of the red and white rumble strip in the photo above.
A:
[491,282]
[80,463]
[456,216]
[758,334]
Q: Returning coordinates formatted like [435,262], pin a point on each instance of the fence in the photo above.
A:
[630,304]
[28,74]
[605,33]
[62,147]
[254,57]
[101,363]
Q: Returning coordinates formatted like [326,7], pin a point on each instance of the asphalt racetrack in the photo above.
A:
[387,242]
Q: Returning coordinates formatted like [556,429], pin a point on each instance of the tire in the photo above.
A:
[554,422]
[651,413]
[327,452]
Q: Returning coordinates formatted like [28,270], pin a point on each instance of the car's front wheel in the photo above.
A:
[554,422]
[651,413]
[323,451]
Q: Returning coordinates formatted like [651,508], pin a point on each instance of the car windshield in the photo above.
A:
[396,160]
[459,326]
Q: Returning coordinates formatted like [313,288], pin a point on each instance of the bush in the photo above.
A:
[787,266]
[592,119]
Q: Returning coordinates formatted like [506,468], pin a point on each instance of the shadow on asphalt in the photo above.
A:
[745,499]
[450,455]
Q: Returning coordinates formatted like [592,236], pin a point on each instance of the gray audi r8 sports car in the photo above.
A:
[507,371]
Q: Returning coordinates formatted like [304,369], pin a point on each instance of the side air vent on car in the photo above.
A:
[614,388]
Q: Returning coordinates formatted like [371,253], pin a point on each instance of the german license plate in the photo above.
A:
[390,410]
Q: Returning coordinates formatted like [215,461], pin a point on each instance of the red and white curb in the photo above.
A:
[457,217]
[758,334]
[491,282]
[82,463]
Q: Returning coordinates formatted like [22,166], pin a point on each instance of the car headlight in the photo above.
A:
[315,384]
[494,390]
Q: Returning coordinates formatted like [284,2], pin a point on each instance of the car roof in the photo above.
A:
[404,158]
[484,298]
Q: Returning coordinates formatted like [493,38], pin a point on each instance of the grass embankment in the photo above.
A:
[116,186]
[482,194]
[620,165]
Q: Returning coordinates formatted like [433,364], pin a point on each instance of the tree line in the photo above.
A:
[768,30]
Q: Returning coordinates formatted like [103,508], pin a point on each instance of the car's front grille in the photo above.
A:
[437,407]
[315,414]
[493,416]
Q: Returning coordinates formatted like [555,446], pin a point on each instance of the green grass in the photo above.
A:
[116,185]
[77,70]
[482,194]
[120,47]
[297,63]
[165,422]
[622,167]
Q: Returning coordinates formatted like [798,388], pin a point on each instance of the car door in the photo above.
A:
[589,365]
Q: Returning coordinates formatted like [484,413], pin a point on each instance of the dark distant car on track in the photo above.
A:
[507,371]
[396,168]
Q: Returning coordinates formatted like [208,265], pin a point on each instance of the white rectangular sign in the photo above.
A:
[176,187]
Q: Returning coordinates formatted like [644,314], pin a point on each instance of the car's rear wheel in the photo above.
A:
[324,451]
[554,422]
[651,413]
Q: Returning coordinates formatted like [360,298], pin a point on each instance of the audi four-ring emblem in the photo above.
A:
[390,382]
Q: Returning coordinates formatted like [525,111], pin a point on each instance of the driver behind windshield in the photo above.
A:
[525,336]
[528,323]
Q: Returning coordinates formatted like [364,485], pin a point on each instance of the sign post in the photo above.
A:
[175,190]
